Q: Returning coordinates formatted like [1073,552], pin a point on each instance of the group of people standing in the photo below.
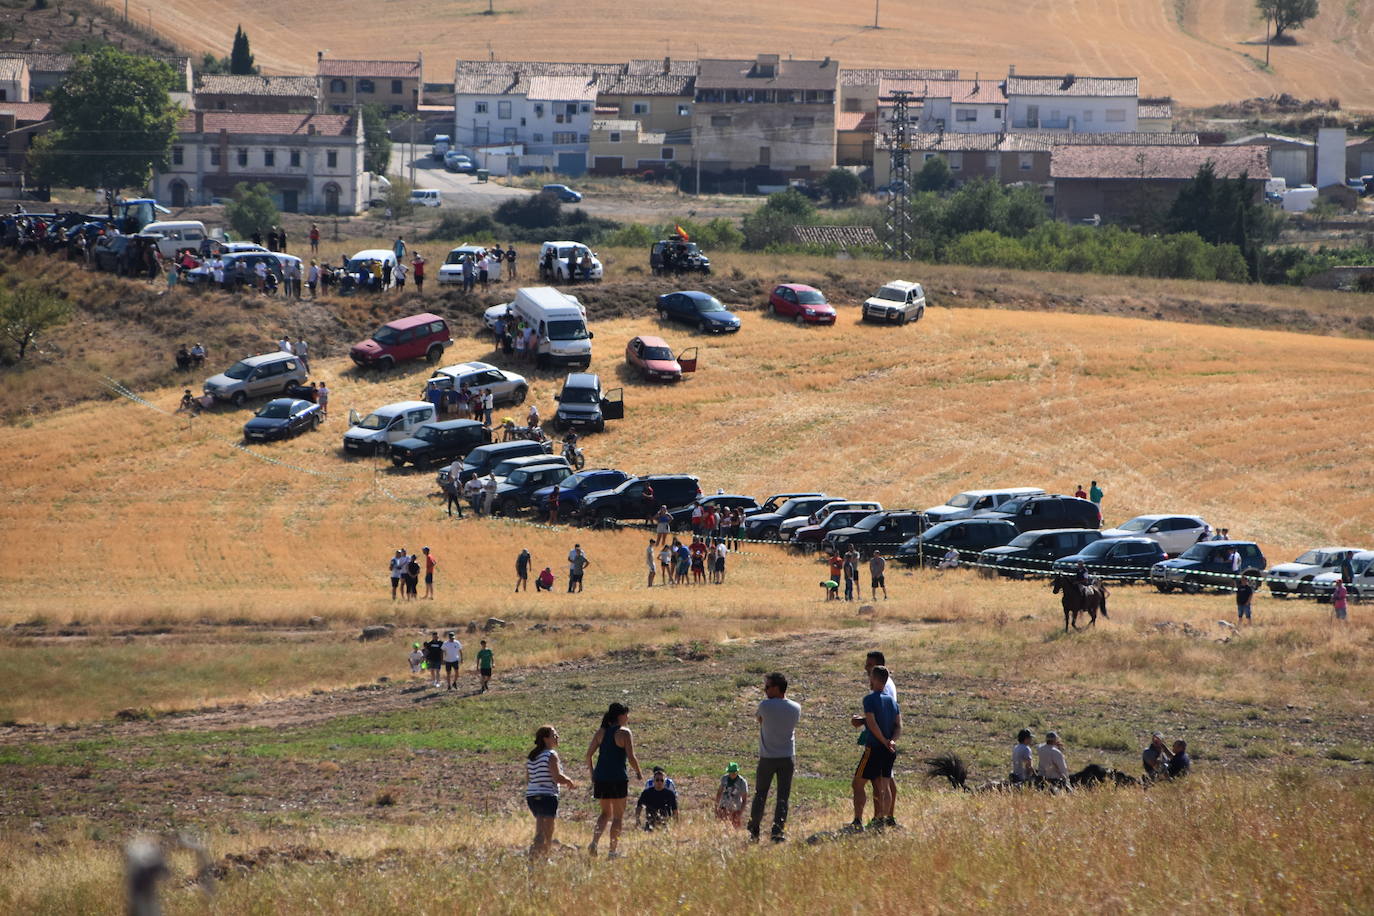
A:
[446,656]
[846,568]
[404,570]
[682,564]
[578,561]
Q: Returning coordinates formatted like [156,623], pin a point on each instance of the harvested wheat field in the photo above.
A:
[1201,53]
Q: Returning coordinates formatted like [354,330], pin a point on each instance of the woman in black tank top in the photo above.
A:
[614,747]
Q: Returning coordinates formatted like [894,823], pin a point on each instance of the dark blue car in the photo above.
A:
[697,308]
[572,489]
[282,418]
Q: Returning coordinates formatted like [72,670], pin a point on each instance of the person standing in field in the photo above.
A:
[430,563]
[544,774]
[859,786]
[434,657]
[554,498]
[732,796]
[522,571]
[1339,598]
[510,262]
[453,660]
[650,560]
[484,666]
[1095,493]
[417,270]
[877,574]
[413,578]
[665,564]
[1079,492]
[883,722]
[322,398]
[777,717]
[663,523]
[398,248]
[614,748]
[1245,593]
[314,238]
[851,574]
[577,565]
[398,570]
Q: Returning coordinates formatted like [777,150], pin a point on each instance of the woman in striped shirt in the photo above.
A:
[545,773]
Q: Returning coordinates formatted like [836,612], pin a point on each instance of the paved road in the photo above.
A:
[458,190]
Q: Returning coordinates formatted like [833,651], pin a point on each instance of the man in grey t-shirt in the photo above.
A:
[777,717]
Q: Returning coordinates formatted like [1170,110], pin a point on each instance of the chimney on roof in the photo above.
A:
[1011,71]
[667,65]
[319,56]
[825,63]
[766,65]
[1068,81]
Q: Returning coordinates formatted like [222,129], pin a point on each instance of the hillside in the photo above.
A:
[1201,53]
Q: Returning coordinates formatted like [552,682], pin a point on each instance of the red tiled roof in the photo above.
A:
[27,111]
[1158,162]
[236,122]
[380,68]
[226,84]
[855,120]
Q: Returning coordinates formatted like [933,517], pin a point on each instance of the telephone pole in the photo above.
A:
[898,241]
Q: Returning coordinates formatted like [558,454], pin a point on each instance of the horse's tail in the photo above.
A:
[1102,599]
[948,766]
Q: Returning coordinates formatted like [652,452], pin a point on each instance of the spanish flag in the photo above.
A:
[681,233]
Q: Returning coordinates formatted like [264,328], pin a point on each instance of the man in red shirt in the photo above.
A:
[698,550]
[417,270]
[836,566]
[430,563]
[1080,492]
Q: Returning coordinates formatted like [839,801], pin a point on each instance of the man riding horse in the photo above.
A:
[1081,594]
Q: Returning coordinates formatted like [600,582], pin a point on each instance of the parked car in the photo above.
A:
[1207,563]
[1034,552]
[124,254]
[561,251]
[583,405]
[653,359]
[516,491]
[563,193]
[627,499]
[682,516]
[969,536]
[772,503]
[788,529]
[361,259]
[804,303]
[1295,578]
[1033,513]
[455,161]
[1361,586]
[970,502]
[481,460]
[676,256]
[697,308]
[282,418]
[426,197]
[177,235]
[572,489]
[1174,533]
[506,387]
[254,376]
[443,143]
[503,311]
[443,441]
[1124,558]
[419,336]
[808,537]
[385,425]
[451,271]
[897,302]
[765,526]
[878,531]
[508,466]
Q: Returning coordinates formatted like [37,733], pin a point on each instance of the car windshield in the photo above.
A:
[429,434]
[892,294]
[375,421]
[1012,506]
[1315,558]
[239,370]
[658,353]
[385,335]
[275,411]
[579,396]
[1198,551]
[810,297]
[1359,567]
[568,329]
[1024,540]
[1138,524]
[709,304]
[518,477]
[869,522]
[455,257]
[935,532]
[1097,548]
[963,501]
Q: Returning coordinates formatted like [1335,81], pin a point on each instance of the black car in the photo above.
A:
[969,536]
[772,503]
[676,256]
[1126,559]
[572,489]
[764,526]
[880,531]
[1035,513]
[699,309]
[517,491]
[1034,552]
[282,418]
[483,458]
[628,500]
[682,516]
[434,443]
[582,404]
[124,254]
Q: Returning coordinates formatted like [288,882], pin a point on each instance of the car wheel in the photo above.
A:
[434,353]
[1164,588]
[386,364]
[510,508]
[1192,585]
[769,534]
[772,309]
[398,461]
[799,320]
[1305,588]
[520,394]
[662,314]
[920,313]
[903,320]
[286,389]
[240,398]
[317,421]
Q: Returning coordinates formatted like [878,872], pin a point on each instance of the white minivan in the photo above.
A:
[385,425]
[426,197]
[563,336]
[970,502]
[177,235]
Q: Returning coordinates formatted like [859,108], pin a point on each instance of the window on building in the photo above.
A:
[1116,114]
[562,137]
[926,157]
[1088,116]
[243,158]
[331,159]
[338,86]
[269,157]
[1024,161]
[667,153]
[481,108]
[570,110]
[396,87]
[992,161]
[997,113]
[178,154]
[640,107]
[684,111]
[503,110]
[1032,115]
[366,86]
[720,120]
[214,155]
[804,121]
[583,138]
[295,159]
[615,136]
[853,105]
[522,122]
[539,109]
[4,95]
[966,114]
[538,138]
[765,156]
[586,107]
[508,135]
[956,161]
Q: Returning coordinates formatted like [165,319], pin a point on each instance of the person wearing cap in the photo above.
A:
[1022,766]
[658,801]
[430,563]
[434,657]
[417,659]
[453,659]
[399,560]
[1155,757]
[732,796]
[1054,769]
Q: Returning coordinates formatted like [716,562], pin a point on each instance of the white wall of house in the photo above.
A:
[545,128]
[1080,114]
[976,118]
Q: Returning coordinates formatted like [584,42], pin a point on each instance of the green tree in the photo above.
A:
[1223,211]
[252,209]
[115,123]
[934,175]
[397,197]
[240,56]
[376,142]
[1287,14]
[28,311]
[841,185]
[209,63]
[772,222]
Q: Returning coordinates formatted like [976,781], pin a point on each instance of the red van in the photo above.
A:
[415,337]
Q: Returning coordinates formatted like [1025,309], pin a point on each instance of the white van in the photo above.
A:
[970,502]
[178,235]
[563,336]
[442,144]
[426,197]
[555,268]
[385,425]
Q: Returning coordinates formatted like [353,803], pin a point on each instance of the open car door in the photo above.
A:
[353,418]
[687,359]
[613,404]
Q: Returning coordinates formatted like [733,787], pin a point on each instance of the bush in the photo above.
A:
[772,222]
[251,210]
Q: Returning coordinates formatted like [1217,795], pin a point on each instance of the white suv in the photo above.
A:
[897,302]
[1296,578]
[1174,533]
[971,502]
[556,268]
[1361,584]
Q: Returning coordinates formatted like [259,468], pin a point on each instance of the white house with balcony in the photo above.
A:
[975,106]
[1080,104]
[544,109]
[312,162]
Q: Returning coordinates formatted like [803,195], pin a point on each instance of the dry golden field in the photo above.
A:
[1201,53]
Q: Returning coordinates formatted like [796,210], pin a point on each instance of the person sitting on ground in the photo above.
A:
[197,355]
[658,802]
[732,797]
[1180,762]
[1022,769]
[544,582]
[188,402]
[1054,768]
[183,358]
[950,559]
[1156,758]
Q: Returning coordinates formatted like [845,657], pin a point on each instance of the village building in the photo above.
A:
[259,94]
[1085,104]
[396,85]
[1123,183]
